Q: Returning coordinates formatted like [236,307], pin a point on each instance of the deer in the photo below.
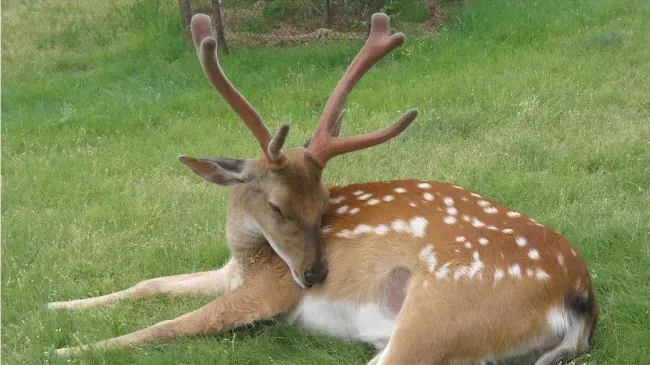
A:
[426,272]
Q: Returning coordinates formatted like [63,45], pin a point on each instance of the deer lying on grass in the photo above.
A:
[427,272]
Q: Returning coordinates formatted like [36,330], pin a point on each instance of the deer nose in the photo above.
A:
[315,275]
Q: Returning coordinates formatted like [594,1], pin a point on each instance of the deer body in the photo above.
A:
[426,272]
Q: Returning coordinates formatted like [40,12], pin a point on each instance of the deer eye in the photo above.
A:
[276,209]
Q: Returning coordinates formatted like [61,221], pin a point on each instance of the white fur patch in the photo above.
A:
[362,228]
[483,241]
[450,220]
[428,196]
[342,209]
[470,271]
[358,192]
[452,211]
[513,214]
[492,228]
[541,274]
[373,201]
[418,226]
[337,200]
[388,198]
[521,241]
[443,272]
[560,259]
[533,254]
[514,271]
[507,230]
[381,229]
[491,210]
[364,196]
[399,226]
[428,257]
[449,200]
[468,245]
[460,239]
[413,205]
[354,211]
[424,186]
[364,322]
[477,223]
[483,203]
[475,195]
[498,274]
[400,190]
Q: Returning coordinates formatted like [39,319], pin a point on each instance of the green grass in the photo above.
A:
[544,106]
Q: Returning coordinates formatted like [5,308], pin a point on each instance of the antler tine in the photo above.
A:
[324,143]
[206,50]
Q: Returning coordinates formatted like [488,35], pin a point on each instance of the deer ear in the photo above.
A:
[221,171]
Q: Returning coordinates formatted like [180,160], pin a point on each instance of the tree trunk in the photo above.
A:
[185,9]
[328,15]
[218,19]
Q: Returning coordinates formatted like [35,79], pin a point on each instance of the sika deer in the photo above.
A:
[427,272]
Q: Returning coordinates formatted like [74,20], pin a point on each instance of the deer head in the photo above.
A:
[280,197]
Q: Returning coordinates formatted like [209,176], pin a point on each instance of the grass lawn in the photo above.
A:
[544,106]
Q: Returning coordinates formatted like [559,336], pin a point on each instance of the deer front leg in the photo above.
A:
[261,296]
[212,282]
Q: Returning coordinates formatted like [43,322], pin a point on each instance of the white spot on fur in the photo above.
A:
[399,226]
[364,196]
[560,259]
[354,211]
[326,230]
[513,214]
[428,196]
[460,239]
[342,209]
[483,241]
[533,254]
[507,230]
[475,195]
[449,201]
[450,220]
[463,198]
[424,186]
[492,228]
[498,274]
[381,229]
[388,198]
[337,200]
[521,241]
[466,218]
[418,226]
[477,223]
[472,270]
[400,190]
[483,203]
[514,271]
[345,233]
[457,187]
[529,272]
[443,272]
[358,192]
[452,211]
[373,201]
[413,205]
[468,245]
[428,257]
[456,250]
[573,252]
[557,321]
[541,274]
[491,210]
[362,228]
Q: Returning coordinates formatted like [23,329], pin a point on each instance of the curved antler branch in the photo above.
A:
[206,47]
[324,143]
